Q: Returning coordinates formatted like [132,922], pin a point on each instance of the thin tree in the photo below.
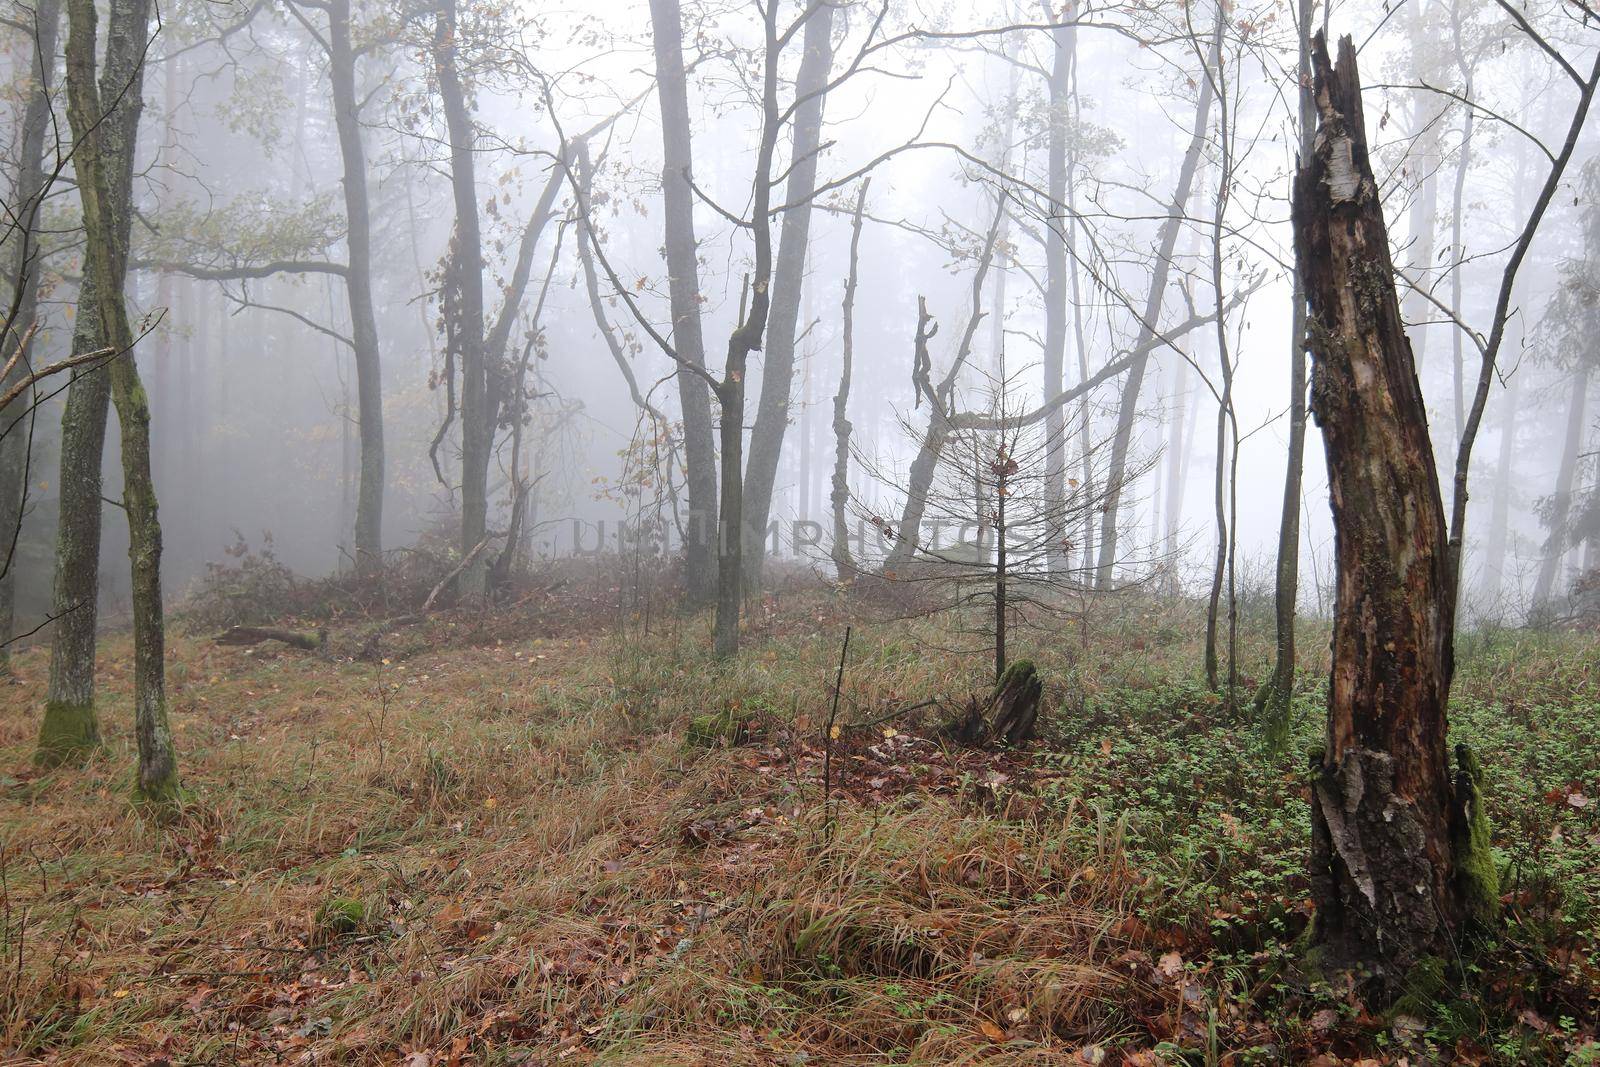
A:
[839,497]
[794,240]
[1273,700]
[104,163]
[22,265]
[683,283]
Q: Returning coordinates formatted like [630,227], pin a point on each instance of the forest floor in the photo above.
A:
[465,844]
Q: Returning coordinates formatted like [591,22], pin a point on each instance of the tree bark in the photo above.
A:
[103,154]
[464,306]
[1055,287]
[23,263]
[1494,552]
[1149,325]
[1398,859]
[70,728]
[941,419]
[1556,544]
[683,278]
[1273,702]
[745,339]
[358,290]
[844,564]
[777,374]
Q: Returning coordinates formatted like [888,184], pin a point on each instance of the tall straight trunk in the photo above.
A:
[1427,157]
[464,308]
[1149,324]
[683,280]
[746,338]
[70,727]
[1227,493]
[777,375]
[103,154]
[1176,443]
[358,288]
[1458,253]
[843,564]
[1399,852]
[1273,701]
[1557,543]
[1055,294]
[23,268]
[1494,551]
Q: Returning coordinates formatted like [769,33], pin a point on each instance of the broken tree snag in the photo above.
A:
[1388,828]
[1016,704]
[254,635]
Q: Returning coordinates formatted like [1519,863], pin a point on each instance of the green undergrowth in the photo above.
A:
[1217,825]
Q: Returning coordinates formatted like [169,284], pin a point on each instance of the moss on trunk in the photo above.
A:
[1477,878]
[69,734]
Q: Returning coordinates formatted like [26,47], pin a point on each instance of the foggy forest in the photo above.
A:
[790,532]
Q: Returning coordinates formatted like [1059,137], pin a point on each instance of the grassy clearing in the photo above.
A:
[483,848]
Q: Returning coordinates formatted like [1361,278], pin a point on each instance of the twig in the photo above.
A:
[828,738]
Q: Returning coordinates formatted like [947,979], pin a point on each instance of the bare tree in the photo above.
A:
[26,200]
[683,279]
[1273,701]
[777,372]
[1399,860]
[103,156]
[844,565]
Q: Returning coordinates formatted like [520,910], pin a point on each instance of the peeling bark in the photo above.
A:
[1384,808]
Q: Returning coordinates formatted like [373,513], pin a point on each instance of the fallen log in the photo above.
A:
[254,635]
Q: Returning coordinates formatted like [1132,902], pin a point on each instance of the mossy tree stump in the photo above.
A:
[1009,716]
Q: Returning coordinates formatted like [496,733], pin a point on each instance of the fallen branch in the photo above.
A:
[254,635]
[455,572]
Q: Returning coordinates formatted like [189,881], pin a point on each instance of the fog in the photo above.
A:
[247,340]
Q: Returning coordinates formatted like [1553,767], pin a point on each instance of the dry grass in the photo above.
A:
[507,854]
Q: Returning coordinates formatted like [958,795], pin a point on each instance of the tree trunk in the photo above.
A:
[1149,325]
[777,375]
[1458,252]
[1273,702]
[683,276]
[1427,113]
[70,727]
[358,289]
[843,564]
[464,307]
[1399,853]
[1055,291]
[745,339]
[23,264]
[1556,544]
[103,154]
[1494,552]
[920,478]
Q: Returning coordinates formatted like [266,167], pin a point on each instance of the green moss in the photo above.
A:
[70,733]
[163,800]
[340,917]
[1020,672]
[1422,989]
[728,726]
[1477,878]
